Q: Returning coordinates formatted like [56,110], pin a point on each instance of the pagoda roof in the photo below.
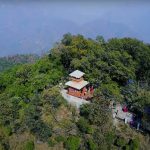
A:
[77,74]
[77,85]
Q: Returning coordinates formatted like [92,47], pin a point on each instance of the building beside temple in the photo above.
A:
[78,87]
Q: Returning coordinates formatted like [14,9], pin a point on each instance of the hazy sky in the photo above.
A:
[25,25]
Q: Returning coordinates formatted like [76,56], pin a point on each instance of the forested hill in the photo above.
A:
[33,114]
[10,61]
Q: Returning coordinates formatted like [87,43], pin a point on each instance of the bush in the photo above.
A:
[127,147]
[90,130]
[53,97]
[72,143]
[110,137]
[1,147]
[60,139]
[120,142]
[91,145]
[134,144]
[42,131]
[51,142]
[84,126]
[29,145]
[6,130]
[85,110]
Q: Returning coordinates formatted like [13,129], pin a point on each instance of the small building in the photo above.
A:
[122,113]
[78,87]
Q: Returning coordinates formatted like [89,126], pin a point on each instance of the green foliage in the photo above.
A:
[120,142]
[91,145]
[34,123]
[67,38]
[9,110]
[53,97]
[84,126]
[134,144]
[60,139]
[110,137]
[127,147]
[29,92]
[100,115]
[11,61]
[85,110]
[29,145]
[111,91]
[72,143]
[51,142]
[142,99]
[100,40]
[7,131]
[138,50]
[1,147]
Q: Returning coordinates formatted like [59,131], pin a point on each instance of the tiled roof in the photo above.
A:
[77,85]
[77,74]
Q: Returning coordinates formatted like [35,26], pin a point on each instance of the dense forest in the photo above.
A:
[10,61]
[34,115]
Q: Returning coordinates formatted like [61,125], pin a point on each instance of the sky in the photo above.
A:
[34,26]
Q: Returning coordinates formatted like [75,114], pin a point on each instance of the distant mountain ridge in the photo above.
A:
[108,29]
[10,61]
[38,37]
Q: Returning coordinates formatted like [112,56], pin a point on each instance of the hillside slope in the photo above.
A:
[34,115]
[9,62]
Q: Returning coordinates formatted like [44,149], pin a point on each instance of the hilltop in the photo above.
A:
[34,115]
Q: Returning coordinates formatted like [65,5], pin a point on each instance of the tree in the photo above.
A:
[53,97]
[33,120]
[84,126]
[67,38]
[100,40]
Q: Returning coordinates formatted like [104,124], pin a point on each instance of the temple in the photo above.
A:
[78,87]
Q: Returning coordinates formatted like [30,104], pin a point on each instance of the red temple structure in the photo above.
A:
[78,87]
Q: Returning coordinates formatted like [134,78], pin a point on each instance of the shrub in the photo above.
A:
[127,147]
[120,142]
[72,143]
[6,130]
[110,137]
[60,139]
[29,145]
[90,130]
[134,144]
[84,126]
[91,145]
[1,147]
[85,110]
[51,142]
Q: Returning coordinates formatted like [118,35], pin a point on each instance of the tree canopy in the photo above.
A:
[31,103]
